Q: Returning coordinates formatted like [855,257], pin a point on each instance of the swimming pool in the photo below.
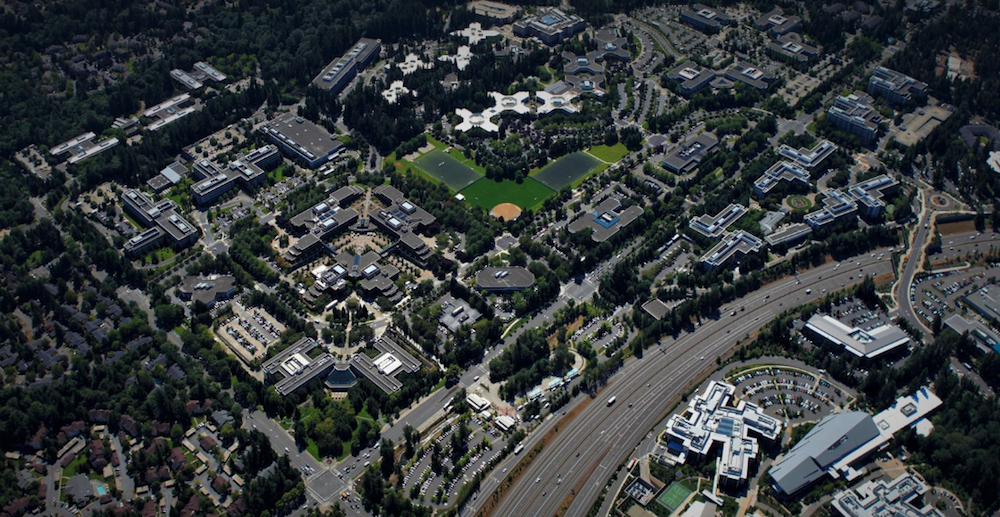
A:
[101,490]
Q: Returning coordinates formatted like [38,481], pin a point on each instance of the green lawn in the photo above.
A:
[610,154]
[74,466]
[313,449]
[488,193]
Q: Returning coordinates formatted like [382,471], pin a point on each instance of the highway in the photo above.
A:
[576,465]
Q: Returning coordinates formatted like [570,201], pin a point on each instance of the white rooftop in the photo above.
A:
[549,102]
[471,120]
[412,63]
[475,33]
[395,91]
[461,59]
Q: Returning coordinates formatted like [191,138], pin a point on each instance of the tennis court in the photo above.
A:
[673,497]
[447,170]
[566,170]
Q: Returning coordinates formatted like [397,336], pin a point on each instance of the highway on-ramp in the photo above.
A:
[576,464]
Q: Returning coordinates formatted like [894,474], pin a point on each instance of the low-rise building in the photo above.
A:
[705,18]
[247,171]
[714,226]
[504,279]
[302,140]
[341,71]
[901,496]
[82,147]
[854,115]
[161,220]
[749,75]
[780,172]
[777,23]
[715,419]
[808,158]
[403,219]
[859,342]
[691,154]
[732,247]
[292,368]
[606,219]
[168,111]
[870,193]
[550,25]
[498,11]
[195,79]
[207,290]
[475,33]
[791,47]
[896,88]
[788,234]
[691,77]
[837,206]
[386,367]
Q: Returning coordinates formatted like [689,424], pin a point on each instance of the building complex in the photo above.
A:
[894,87]
[550,25]
[900,497]
[857,341]
[705,18]
[247,171]
[341,71]
[302,140]
[161,220]
[82,147]
[854,115]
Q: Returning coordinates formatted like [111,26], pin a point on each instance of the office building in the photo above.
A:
[472,120]
[780,172]
[791,47]
[869,194]
[168,112]
[713,226]
[777,23]
[403,219]
[391,361]
[691,154]
[749,75]
[611,45]
[207,290]
[550,25]
[168,176]
[373,278]
[984,301]
[788,234]
[985,339]
[770,221]
[732,247]
[504,279]
[549,102]
[837,206]
[341,71]
[292,368]
[196,78]
[854,115]
[840,443]
[321,222]
[713,419]
[705,18]
[160,219]
[896,88]
[500,12]
[475,33]
[302,140]
[606,219]
[859,342]
[186,80]
[808,158]
[691,77]
[247,171]
[82,147]
[898,497]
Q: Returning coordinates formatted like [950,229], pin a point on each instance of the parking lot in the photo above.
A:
[936,294]
[249,331]
[420,481]
[789,391]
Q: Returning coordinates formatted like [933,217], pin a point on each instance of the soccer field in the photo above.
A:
[488,193]
[673,497]
[566,170]
[447,170]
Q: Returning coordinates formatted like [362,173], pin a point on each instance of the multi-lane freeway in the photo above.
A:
[576,464]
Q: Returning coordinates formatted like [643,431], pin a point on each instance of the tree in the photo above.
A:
[168,316]
[388,453]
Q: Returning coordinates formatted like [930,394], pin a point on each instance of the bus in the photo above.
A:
[611,401]
[518,449]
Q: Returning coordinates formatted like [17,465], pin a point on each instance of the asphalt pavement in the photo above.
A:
[576,465]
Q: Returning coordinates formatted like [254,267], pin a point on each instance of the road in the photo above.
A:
[658,36]
[588,449]
[913,262]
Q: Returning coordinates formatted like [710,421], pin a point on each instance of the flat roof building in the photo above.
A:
[854,115]
[869,194]
[168,111]
[984,302]
[302,140]
[841,441]
[606,219]
[504,279]
[82,147]
[738,242]
[207,291]
[387,366]
[780,172]
[472,120]
[983,336]
[550,25]
[749,74]
[715,418]
[788,234]
[186,80]
[691,154]
[837,206]
[195,79]
[341,71]
[808,158]
[791,47]
[475,33]
[714,226]
[777,23]
[859,342]
[705,18]
[168,176]
[403,219]
[895,87]
[899,497]
[770,221]
[498,11]
[292,368]
[161,220]
[691,77]
[246,171]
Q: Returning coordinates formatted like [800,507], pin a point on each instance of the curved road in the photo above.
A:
[576,465]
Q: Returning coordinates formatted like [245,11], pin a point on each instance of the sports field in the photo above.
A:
[673,497]
[488,193]
[447,170]
[566,170]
